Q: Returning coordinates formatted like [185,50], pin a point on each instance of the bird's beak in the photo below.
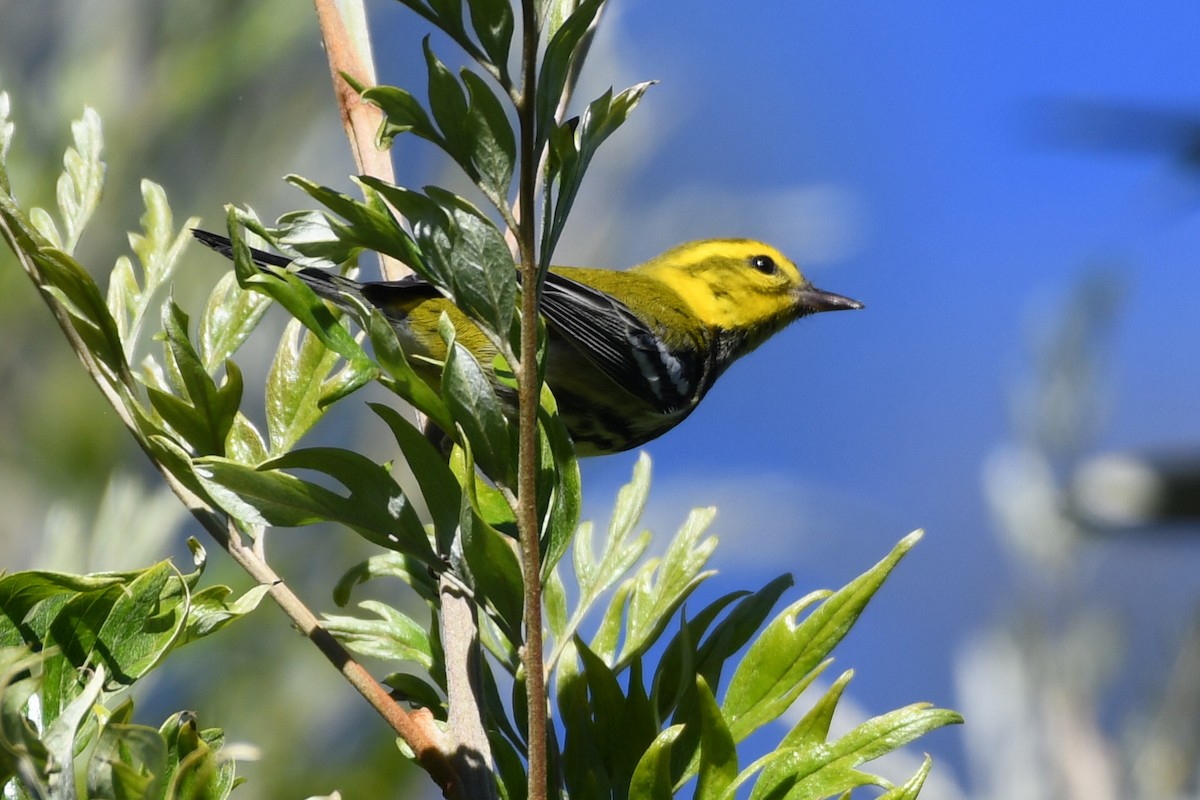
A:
[813,300]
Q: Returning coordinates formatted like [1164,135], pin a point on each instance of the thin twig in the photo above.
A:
[529,397]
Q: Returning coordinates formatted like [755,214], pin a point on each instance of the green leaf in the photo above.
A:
[210,609]
[608,634]
[493,147]
[265,495]
[80,185]
[584,770]
[371,224]
[229,317]
[67,282]
[387,565]
[61,734]
[567,483]
[561,52]
[130,761]
[780,662]
[494,570]
[296,386]
[447,14]
[510,768]
[296,296]
[912,787]
[394,636]
[401,378]
[826,769]
[813,728]
[412,689]
[432,240]
[158,248]
[439,487]
[732,633]
[448,104]
[718,753]
[555,599]
[143,624]
[673,677]
[661,587]
[652,777]
[606,702]
[488,502]
[128,621]
[479,262]
[196,767]
[493,25]
[245,443]
[203,415]
[402,113]
[469,395]
[572,148]
[594,574]
[22,592]
[22,752]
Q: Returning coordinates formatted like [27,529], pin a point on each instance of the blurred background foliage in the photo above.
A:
[989,368]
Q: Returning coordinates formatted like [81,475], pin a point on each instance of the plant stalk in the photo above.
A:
[529,395]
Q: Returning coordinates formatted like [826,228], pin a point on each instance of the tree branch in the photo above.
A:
[350,54]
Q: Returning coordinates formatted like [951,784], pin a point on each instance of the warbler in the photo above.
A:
[629,353]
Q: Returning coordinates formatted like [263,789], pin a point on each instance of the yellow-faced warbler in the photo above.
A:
[630,353]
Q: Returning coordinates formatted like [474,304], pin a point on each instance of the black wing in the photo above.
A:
[620,344]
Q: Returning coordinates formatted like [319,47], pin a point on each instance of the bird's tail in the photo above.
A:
[328,285]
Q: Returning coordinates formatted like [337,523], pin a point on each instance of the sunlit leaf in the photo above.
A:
[780,660]
[392,635]
[718,753]
[661,586]
[230,315]
[912,787]
[295,386]
[652,778]
[572,147]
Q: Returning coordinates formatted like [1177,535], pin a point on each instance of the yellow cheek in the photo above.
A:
[729,309]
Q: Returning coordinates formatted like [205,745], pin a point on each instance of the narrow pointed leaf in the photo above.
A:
[718,753]
[780,660]
[652,777]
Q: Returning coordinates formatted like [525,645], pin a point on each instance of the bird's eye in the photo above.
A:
[764,264]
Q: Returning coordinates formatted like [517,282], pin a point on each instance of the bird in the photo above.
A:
[630,353]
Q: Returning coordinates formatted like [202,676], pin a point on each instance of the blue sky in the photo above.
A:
[890,149]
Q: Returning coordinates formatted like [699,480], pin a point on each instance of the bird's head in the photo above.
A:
[742,286]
